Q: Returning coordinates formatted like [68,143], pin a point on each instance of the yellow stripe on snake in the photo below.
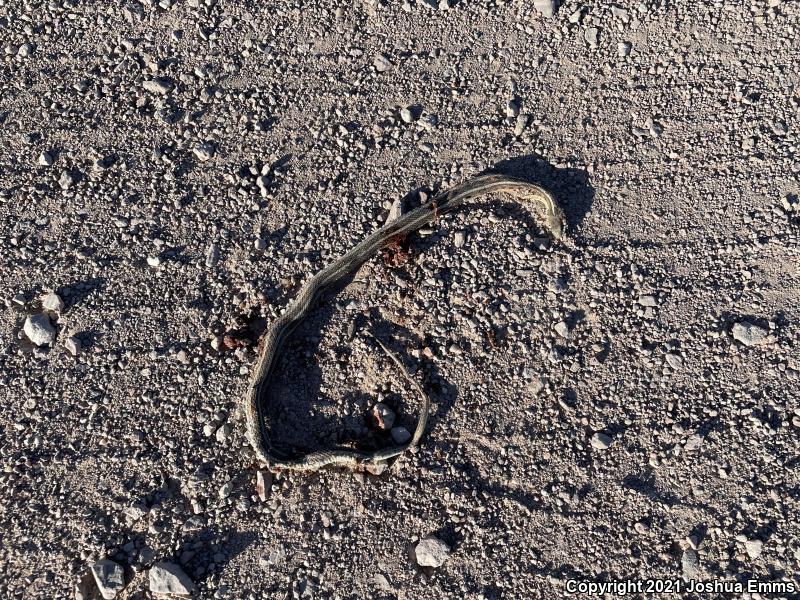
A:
[336,272]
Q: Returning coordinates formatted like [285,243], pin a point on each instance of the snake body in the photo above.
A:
[336,272]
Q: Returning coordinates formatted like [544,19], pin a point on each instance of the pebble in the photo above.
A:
[521,124]
[39,329]
[168,578]
[690,564]
[431,552]
[224,432]
[648,300]
[260,244]
[562,329]
[601,441]
[45,159]
[674,361]
[407,115]
[157,86]
[204,151]
[395,211]
[73,345]
[753,548]
[109,577]
[382,63]
[400,435]
[459,239]
[592,36]
[67,180]
[546,7]
[749,334]
[384,416]
[52,302]
[624,48]
[620,13]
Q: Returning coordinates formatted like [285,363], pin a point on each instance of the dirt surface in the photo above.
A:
[622,405]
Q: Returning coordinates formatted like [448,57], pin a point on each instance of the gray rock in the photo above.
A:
[753,548]
[400,435]
[749,334]
[546,7]
[648,300]
[407,115]
[674,361]
[562,329]
[67,180]
[157,86]
[601,441]
[521,124]
[592,36]
[382,63]
[620,13]
[431,552]
[73,345]
[459,239]
[624,48]
[109,577]
[52,302]
[395,211]
[204,151]
[169,578]
[39,329]
[45,159]
[690,564]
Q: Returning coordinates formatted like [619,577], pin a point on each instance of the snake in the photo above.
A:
[337,272]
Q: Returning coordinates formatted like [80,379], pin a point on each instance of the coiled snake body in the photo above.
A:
[296,311]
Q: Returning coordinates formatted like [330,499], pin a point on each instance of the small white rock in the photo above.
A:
[154,261]
[753,548]
[73,345]
[674,361]
[546,7]
[749,334]
[562,329]
[431,552]
[395,211]
[459,239]
[52,302]
[66,180]
[591,36]
[601,441]
[110,578]
[381,63]
[407,115]
[39,329]
[45,159]
[168,578]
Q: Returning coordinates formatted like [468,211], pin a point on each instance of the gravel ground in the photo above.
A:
[623,405]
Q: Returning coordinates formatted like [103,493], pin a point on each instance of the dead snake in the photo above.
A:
[336,272]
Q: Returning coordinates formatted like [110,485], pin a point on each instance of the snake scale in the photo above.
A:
[336,272]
